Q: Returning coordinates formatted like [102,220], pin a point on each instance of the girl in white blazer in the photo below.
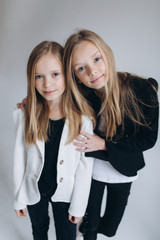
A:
[47,100]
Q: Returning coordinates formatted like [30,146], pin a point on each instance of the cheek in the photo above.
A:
[37,85]
[63,84]
[80,78]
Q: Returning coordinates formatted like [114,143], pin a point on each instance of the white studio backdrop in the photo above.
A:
[131,29]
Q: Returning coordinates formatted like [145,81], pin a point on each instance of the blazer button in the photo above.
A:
[61,179]
[61,162]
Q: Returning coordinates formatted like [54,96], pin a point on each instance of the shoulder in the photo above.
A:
[142,87]
[86,119]
[136,80]
[18,115]
[140,82]
[87,124]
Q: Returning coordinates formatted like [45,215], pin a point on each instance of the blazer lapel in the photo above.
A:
[64,138]
[40,145]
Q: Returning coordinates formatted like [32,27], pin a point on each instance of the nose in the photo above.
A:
[47,81]
[92,71]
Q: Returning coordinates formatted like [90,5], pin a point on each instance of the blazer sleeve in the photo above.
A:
[125,153]
[83,178]
[19,156]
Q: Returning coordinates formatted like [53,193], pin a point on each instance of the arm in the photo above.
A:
[90,142]
[83,177]
[125,153]
[19,159]
[145,137]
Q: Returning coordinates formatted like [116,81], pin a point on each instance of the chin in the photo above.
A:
[99,88]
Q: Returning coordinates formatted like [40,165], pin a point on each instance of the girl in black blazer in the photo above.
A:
[126,107]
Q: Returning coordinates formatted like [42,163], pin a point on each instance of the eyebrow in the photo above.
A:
[91,57]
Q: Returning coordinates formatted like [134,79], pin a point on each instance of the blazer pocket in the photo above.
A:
[29,193]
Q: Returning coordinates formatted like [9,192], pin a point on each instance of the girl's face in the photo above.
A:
[88,65]
[49,78]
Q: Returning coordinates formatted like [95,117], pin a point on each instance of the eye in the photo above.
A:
[38,76]
[55,74]
[81,69]
[97,59]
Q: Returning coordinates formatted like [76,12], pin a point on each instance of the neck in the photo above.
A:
[100,93]
[55,110]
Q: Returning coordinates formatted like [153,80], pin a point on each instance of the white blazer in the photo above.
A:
[74,170]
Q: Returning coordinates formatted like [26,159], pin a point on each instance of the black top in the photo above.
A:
[125,151]
[48,180]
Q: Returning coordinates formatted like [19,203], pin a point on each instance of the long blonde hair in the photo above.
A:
[76,103]
[110,103]
[118,99]
[37,111]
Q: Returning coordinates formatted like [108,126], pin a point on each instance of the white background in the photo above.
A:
[132,29]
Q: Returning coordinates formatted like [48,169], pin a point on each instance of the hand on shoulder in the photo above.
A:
[22,105]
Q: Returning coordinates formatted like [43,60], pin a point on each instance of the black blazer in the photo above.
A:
[125,152]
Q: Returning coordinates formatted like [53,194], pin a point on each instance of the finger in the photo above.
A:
[71,219]
[19,214]
[74,220]
[77,219]
[24,212]
[82,141]
[79,138]
[84,150]
[83,145]
[86,134]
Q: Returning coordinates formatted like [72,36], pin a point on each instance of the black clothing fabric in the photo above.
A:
[48,179]
[38,213]
[125,152]
[47,185]
[117,198]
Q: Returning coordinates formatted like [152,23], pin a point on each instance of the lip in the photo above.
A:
[95,80]
[49,92]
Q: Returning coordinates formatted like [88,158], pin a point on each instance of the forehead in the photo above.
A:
[48,62]
[84,50]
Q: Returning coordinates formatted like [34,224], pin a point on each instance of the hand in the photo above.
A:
[21,213]
[73,219]
[89,143]
[22,105]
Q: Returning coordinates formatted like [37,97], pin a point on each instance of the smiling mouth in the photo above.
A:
[95,80]
[49,92]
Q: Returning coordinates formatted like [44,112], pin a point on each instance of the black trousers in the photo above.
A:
[65,230]
[117,197]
